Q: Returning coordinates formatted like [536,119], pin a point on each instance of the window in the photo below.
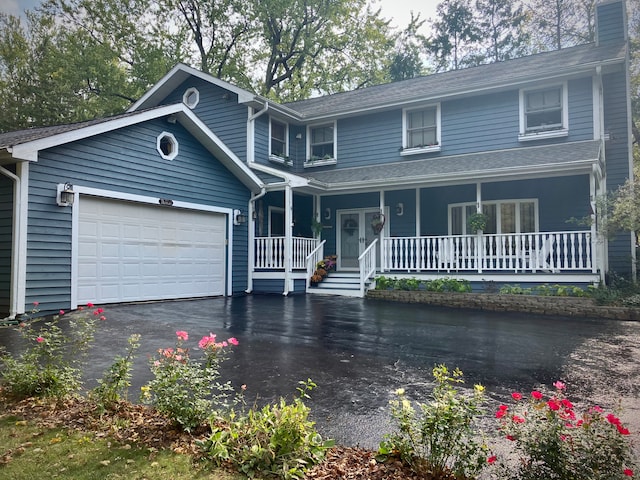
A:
[322,145]
[421,130]
[191,98]
[279,145]
[505,216]
[543,113]
[167,146]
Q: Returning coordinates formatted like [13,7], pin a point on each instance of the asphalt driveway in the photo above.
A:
[360,351]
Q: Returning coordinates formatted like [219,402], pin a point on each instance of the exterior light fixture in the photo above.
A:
[65,195]
[239,218]
[327,213]
[400,209]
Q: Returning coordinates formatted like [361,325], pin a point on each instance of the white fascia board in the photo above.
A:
[291,179]
[29,150]
[175,77]
[213,144]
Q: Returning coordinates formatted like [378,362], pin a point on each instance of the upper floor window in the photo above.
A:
[278,146]
[543,113]
[504,216]
[421,130]
[167,146]
[322,145]
[191,97]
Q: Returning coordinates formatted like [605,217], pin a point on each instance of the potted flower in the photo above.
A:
[477,222]
[316,227]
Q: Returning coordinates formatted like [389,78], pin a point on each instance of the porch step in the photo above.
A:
[345,284]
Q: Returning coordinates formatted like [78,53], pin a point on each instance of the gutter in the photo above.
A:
[16,291]
[252,240]
[251,133]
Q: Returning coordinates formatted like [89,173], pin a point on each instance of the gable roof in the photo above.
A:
[25,144]
[523,70]
[568,158]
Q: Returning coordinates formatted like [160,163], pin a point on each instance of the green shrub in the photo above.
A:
[278,440]
[50,365]
[115,383]
[442,436]
[185,389]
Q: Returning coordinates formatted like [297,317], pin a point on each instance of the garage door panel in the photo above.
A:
[131,251]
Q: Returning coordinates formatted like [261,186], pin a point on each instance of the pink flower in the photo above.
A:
[559,385]
[89,305]
[35,304]
[207,341]
[517,419]
[103,318]
[492,459]
[61,312]
[503,407]
[597,408]
[567,404]
[628,472]
[611,418]
[182,335]
[98,311]
[516,396]
[553,405]
[39,339]
[500,413]
[156,363]
[536,394]
[233,341]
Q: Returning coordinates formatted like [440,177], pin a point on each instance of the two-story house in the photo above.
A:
[203,188]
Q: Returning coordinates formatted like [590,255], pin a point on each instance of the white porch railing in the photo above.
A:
[270,252]
[523,252]
[312,260]
[367,264]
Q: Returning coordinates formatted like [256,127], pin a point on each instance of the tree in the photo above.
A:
[500,26]
[407,62]
[455,33]
[556,24]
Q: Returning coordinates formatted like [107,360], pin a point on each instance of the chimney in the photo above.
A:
[611,22]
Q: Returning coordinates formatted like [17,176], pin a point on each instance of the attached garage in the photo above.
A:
[128,251]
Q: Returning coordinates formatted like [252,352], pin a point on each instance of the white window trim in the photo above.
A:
[428,149]
[322,162]
[523,136]
[187,94]
[174,152]
[277,158]
[497,203]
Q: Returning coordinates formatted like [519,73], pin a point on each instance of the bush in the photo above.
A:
[185,389]
[115,383]
[411,284]
[554,441]
[278,440]
[440,437]
[50,364]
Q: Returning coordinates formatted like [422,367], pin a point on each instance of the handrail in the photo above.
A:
[312,259]
[367,264]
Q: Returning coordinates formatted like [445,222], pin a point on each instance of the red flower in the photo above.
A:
[89,305]
[511,437]
[61,312]
[612,419]
[628,472]
[553,405]
[567,404]
[492,459]
[39,339]
[517,419]
[500,413]
[516,396]
[536,394]
[233,341]
[622,430]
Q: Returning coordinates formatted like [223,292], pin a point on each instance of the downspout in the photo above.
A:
[288,238]
[17,284]
[252,238]
[251,153]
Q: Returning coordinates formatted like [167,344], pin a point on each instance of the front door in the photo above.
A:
[355,234]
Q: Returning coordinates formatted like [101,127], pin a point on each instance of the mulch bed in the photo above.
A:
[141,425]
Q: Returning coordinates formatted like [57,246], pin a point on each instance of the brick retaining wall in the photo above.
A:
[556,306]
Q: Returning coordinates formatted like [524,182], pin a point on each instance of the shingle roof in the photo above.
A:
[459,81]
[565,156]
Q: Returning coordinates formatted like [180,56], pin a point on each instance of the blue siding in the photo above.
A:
[611,26]
[580,109]
[618,159]
[404,225]
[219,110]
[268,286]
[125,161]
[6,235]
[434,204]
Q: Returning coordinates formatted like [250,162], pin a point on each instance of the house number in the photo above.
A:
[166,202]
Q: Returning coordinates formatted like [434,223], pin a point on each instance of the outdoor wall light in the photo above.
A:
[239,218]
[65,195]
[400,209]
[327,213]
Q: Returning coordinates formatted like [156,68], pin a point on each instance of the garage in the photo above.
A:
[129,251]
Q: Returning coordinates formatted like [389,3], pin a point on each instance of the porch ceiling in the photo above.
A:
[560,159]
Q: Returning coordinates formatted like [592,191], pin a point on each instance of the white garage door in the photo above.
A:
[129,252]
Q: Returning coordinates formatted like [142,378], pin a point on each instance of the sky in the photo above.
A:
[398,10]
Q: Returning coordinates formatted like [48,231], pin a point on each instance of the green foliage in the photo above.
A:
[278,440]
[115,383]
[186,389]
[546,290]
[411,284]
[50,364]
[441,436]
[554,441]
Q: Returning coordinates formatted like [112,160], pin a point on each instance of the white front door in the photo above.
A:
[354,235]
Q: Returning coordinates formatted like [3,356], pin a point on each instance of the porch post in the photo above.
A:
[417,219]
[478,248]
[597,254]
[288,238]
[383,255]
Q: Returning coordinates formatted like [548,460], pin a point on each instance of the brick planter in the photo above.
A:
[556,306]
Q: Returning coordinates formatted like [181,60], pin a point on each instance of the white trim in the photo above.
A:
[425,149]
[277,158]
[562,131]
[187,94]
[362,215]
[174,145]
[145,200]
[309,162]
[497,203]
[598,105]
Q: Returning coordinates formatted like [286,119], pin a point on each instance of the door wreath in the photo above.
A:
[377,223]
